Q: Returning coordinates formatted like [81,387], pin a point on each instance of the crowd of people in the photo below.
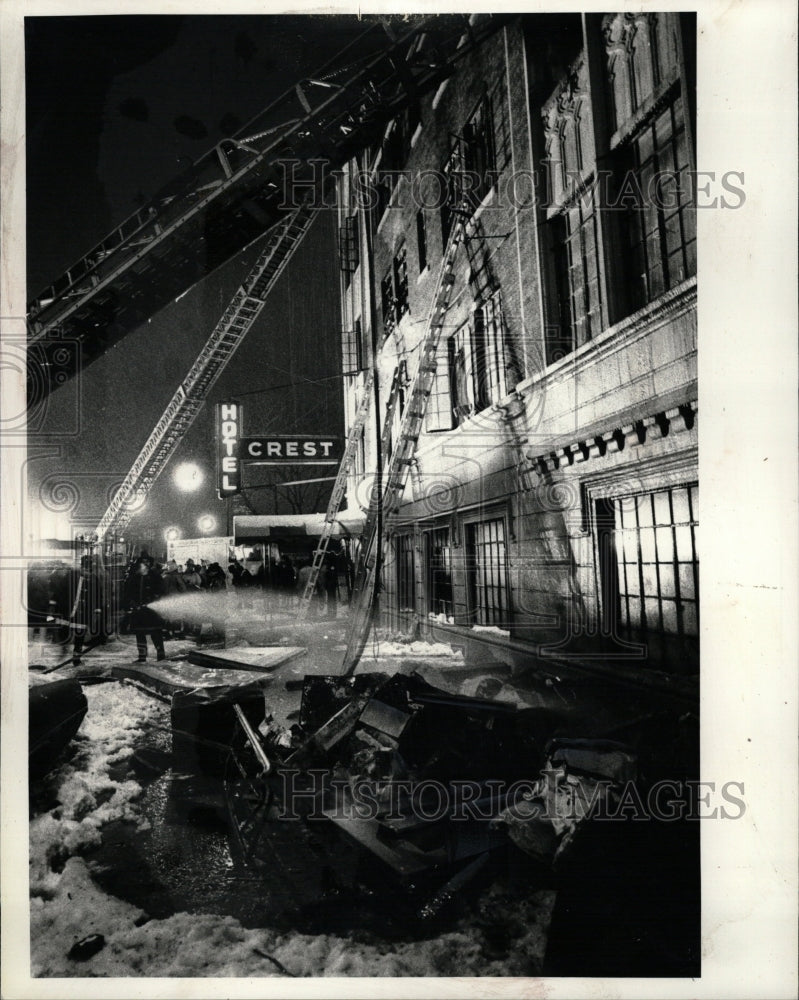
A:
[287,579]
[84,606]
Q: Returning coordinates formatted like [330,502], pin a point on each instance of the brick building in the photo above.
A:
[552,505]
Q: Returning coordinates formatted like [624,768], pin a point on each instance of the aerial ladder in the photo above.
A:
[235,323]
[380,86]
[344,120]
[226,200]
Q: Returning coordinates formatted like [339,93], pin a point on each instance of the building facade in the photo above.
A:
[552,504]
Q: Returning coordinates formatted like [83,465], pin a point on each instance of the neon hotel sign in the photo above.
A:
[278,449]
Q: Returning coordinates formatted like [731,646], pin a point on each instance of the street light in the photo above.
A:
[172,534]
[206,523]
[188,477]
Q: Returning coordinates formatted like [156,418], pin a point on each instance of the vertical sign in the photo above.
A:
[228,432]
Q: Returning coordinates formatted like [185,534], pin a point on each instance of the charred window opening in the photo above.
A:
[400,266]
[394,290]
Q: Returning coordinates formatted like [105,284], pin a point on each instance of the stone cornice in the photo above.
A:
[635,434]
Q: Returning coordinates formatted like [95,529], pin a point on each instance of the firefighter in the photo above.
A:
[87,606]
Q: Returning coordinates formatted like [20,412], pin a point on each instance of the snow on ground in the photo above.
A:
[88,797]
[377,648]
[66,904]
[190,945]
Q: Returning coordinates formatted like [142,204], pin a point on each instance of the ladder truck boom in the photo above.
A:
[181,411]
[225,201]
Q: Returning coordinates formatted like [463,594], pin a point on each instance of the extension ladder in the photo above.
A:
[337,495]
[389,497]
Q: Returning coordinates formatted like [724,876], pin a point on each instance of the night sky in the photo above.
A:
[116,107]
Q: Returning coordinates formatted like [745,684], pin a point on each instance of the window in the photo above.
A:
[474,368]
[498,102]
[421,239]
[395,150]
[453,182]
[349,254]
[650,149]
[438,416]
[406,591]
[394,290]
[478,153]
[401,280]
[360,455]
[573,226]
[470,167]
[497,370]
[488,590]
[439,572]
[351,360]
[399,386]
[387,301]
[656,563]
[577,276]
[653,185]
[461,381]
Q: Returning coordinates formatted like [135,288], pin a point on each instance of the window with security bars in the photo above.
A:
[488,587]
[655,189]
[406,590]
[656,560]
[577,274]
[351,359]
[438,549]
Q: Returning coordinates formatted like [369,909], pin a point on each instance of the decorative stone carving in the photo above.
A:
[642,56]
[653,430]
[568,133]
[563,457]
[614,441]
